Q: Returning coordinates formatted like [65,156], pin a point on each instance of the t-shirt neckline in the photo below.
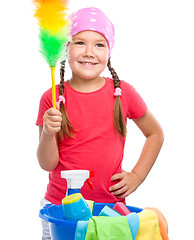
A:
[88,93]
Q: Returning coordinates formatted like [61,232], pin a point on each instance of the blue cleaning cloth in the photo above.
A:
[134,222]
[81,230]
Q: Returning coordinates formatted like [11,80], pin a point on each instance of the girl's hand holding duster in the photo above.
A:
[47,152]
[52,121]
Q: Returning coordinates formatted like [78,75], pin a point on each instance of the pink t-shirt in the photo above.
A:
[97,146]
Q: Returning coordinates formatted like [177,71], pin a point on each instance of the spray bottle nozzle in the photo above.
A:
[76,178]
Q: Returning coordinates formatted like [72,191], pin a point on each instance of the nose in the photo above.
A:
[89,51]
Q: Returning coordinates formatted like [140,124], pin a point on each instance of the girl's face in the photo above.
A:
[88,54]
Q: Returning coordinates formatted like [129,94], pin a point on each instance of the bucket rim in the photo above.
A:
[44,213]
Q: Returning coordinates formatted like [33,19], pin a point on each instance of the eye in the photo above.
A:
[100,45]
[79,43]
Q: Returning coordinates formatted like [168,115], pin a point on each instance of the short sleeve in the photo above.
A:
[136,107]
[45,104]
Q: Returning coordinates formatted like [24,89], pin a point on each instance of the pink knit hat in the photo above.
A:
[95,20]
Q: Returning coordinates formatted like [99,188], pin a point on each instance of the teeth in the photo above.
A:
[88,63]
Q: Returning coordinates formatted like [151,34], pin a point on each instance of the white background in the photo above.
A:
[154,51]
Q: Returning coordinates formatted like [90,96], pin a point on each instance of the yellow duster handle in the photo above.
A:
[53,86]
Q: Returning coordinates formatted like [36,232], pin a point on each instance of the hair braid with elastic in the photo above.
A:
[119,121]
[65,125]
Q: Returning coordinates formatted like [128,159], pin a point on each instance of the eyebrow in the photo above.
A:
[100,40]
[82,39]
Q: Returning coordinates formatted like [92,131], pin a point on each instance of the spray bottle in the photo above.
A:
[75,180]
[74,205]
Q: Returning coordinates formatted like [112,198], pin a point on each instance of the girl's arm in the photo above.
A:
[47,152]
[129,181]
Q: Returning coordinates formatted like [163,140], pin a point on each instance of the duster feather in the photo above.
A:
[52,45]
[52,16]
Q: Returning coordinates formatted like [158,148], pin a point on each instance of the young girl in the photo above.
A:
[88,128]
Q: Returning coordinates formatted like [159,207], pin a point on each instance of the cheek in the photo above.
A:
[72,56]
[71,53]
[103,56]
[104,59]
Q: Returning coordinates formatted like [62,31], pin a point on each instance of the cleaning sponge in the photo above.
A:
[109,212]
[121,208]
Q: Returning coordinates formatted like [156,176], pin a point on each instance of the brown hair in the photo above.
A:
[66,127]
[119,121]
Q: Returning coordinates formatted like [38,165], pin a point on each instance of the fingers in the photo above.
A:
[53,112]
[119,191]
[54,115]
[53,124]
[120,187]
[125,194]
[54,118]
[117,176]
[128,182]
[117,186]
[52,121]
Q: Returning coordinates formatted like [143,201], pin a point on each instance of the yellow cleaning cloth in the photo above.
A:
[162,223]
[149,226]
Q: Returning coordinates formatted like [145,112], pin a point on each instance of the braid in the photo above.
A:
[119,121]
[62,73]
[114,75]
[65,125]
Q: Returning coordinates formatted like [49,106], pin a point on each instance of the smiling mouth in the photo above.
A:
[88,63]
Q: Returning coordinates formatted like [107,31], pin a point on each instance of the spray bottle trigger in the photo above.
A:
[90,184]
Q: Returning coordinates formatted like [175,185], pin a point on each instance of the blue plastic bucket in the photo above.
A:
[62,229]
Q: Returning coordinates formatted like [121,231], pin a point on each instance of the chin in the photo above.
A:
[89,75]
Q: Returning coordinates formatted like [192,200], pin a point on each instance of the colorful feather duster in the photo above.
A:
[54,33]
